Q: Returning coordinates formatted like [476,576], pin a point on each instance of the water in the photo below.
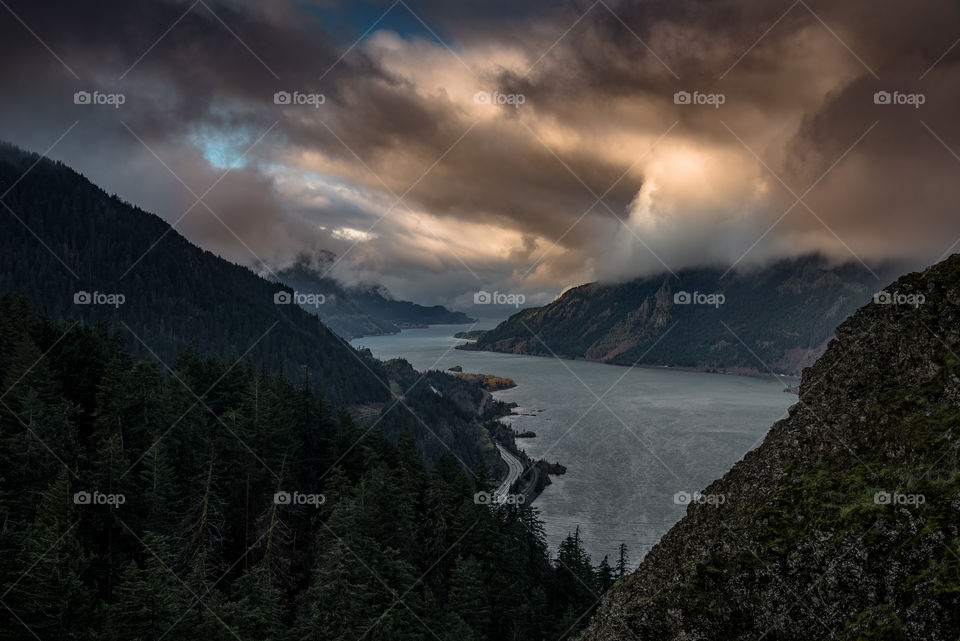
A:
[656,432]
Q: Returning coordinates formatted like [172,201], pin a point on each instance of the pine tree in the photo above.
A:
[623,562]
[605,578]
[50,598]
[468,593]
[575,575]
[254,610]
[158,492]
[151,601]
[36,434]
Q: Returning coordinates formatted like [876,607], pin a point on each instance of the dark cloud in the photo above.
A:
[492,194]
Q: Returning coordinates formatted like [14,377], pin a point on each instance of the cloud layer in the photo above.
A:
[472,145]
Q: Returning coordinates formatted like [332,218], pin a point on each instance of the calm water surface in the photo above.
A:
[656,432]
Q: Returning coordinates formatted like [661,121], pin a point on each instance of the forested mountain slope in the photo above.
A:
[132,511]
[62,236]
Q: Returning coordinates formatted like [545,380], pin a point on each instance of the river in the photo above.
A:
[654,433]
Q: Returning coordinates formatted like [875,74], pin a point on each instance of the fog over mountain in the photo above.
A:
[442,148]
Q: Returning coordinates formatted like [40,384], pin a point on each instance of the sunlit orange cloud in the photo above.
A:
[702,179]
[536,153]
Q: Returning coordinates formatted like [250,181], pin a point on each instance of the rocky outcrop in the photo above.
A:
[776,318]
[845,522]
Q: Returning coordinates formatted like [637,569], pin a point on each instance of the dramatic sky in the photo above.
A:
[581,165]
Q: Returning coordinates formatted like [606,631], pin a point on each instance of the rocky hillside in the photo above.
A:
[784,314]
[845,522]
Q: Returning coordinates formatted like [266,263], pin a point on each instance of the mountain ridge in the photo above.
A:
[775,319]
[68,238]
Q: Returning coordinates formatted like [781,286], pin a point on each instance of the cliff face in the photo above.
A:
[845,522]
[783,314]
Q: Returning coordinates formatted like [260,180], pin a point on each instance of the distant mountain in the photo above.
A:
[339,311]
[379,304]
[779,317]
[360,311]
[845,523]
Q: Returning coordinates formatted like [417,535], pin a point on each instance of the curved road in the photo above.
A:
[515,469]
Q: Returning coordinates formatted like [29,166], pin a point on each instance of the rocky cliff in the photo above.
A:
[704,318]
[845,522]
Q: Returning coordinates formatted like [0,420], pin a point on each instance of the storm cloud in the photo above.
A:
[440,148]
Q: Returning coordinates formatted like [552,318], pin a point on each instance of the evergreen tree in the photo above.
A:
[468,594]
[151,601]
[605,578]
[50,598]
[623,562]
[255,608]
